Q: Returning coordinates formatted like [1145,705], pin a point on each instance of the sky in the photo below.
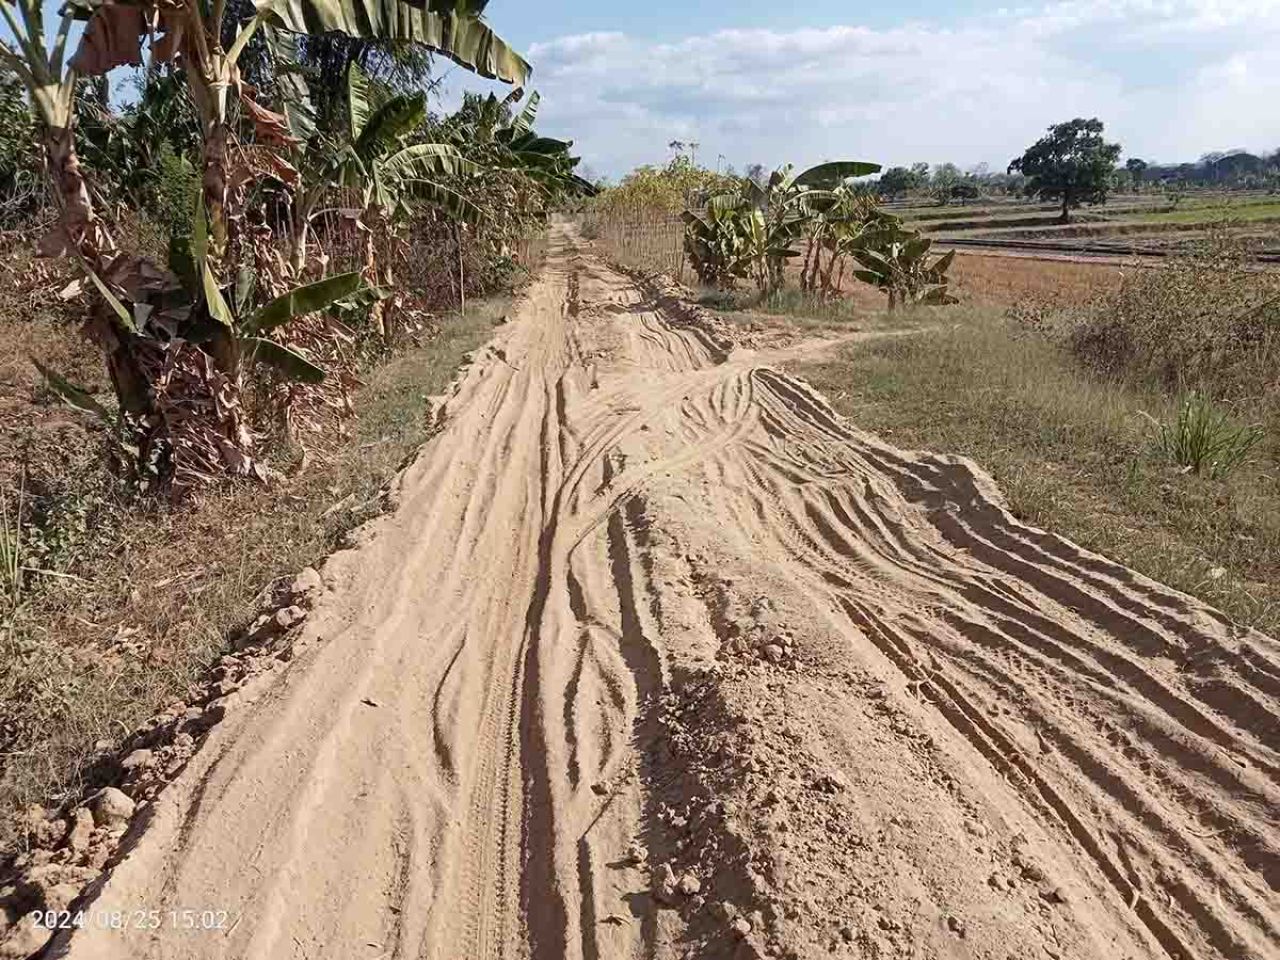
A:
[915,80]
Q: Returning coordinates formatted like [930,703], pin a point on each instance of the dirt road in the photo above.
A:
[658,657]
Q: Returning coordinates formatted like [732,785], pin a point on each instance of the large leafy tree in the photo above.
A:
[1137,167]
[1072,165]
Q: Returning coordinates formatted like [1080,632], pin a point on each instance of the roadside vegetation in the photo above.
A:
[227,299]
[1142,423]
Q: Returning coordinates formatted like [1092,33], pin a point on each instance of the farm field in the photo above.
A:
[1123,226]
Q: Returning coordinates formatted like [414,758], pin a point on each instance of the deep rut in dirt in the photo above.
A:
[658,657]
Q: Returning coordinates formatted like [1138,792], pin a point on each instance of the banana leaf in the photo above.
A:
[423,161]
[118,308]
[302,300]
[396,118]
[525,119]
[360,105]
[830,174]
[288,361]
[77,397]
[452,30]
[214,300]
[437,195]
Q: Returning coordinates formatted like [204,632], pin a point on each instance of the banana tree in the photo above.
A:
[484,129]
[789,202]
[210,309]
[193,429]
[765,221]
[837,220]
[390,173]
[190,34]
[40,63]
[897,261]
[717,241]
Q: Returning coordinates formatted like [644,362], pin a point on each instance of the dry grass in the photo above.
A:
[1072,453]
[86,660]
[1207,321]
[977,280]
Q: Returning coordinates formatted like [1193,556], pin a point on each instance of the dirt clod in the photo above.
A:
[111,807]
[689,884]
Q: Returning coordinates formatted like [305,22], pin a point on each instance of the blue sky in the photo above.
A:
[914,80]
[524,24]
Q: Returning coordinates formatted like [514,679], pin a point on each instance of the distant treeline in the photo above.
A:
[1232,169]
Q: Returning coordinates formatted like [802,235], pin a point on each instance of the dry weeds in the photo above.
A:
[155,594]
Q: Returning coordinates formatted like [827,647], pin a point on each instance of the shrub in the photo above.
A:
[177,185]
[1205,321]
[21,186]
[1204,438]
[672,188]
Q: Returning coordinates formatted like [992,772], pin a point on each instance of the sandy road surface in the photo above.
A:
[658,657]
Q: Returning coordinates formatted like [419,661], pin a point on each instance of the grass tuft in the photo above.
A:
[1203,438]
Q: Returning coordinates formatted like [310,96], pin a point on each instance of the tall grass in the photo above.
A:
[1204,438]
[11,561]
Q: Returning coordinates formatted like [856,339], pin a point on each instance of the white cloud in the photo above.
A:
[1171,79]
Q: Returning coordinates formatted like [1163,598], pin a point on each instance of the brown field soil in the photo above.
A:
[1003,280]
[660,657]
[997,280]
[994,280]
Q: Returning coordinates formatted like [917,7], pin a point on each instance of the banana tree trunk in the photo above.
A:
[371,219]
[84,232]
[211,100]
[209,78]
[298,249]
[462,276]
[214,187]
[209,84]
[806,274]
[88,236]
[826,275]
